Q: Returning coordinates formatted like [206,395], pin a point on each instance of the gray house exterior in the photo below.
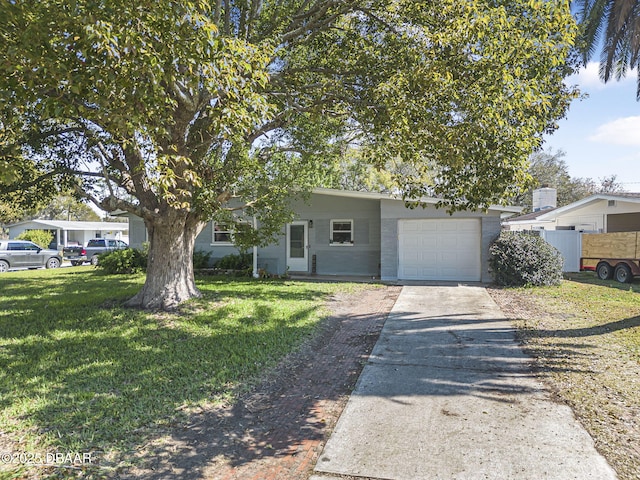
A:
[368,234]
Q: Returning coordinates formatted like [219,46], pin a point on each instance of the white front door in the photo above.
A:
[297,246]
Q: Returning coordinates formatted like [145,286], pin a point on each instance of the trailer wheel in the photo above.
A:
[623,273]
[604,271]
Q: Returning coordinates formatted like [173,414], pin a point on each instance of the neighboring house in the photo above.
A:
[368,234]
[603,213]
[72,232]
[561,227]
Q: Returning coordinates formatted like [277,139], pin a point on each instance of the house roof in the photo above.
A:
[390,196]
[77,225]
[531,216]
[626,196]
[551,214]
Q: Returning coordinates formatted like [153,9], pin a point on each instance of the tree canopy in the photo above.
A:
[613,27]
[549,169]
[66,207]
[180,112]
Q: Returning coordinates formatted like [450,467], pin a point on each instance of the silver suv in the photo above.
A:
[23,254]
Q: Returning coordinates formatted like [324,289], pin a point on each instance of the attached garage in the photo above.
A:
[439,249]
[374,235]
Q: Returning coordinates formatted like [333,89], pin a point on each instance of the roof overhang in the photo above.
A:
[76,225]
[510,210]
[587,201]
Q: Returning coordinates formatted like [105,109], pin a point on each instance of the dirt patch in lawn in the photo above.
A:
[278,428]
[587,367]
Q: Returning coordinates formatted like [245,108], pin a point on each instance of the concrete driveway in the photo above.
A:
[448,394]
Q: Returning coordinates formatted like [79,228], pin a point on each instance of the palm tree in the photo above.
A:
[616,25]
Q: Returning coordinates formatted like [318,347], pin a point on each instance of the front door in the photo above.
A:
[297,247]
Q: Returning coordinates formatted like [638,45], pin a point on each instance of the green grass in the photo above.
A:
[79,373]
[585,335]
[589,306]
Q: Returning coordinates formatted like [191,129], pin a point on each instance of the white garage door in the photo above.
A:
[443,249]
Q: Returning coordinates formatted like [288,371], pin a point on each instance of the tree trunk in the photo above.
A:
[170,280]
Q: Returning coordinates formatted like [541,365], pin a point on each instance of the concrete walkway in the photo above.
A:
[448,394]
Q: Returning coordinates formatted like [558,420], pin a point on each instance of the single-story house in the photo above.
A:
[341,232]
[602,213]
[67,233]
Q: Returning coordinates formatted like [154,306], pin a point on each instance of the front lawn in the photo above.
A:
[81,374]
[585,336]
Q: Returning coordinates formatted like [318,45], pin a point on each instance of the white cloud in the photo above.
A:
[622,131]
[588,78]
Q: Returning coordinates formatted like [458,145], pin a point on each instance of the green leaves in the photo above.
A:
[481,82]
[614,25]
[182,97]
[192,110]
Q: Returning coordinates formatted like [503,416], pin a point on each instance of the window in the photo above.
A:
[23,246]
[222,233]
[341,232]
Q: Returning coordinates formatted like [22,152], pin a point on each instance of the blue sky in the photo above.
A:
[601,134]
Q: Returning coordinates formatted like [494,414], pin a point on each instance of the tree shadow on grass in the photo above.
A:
[590,278]
[87,379]
[603,329]
[278,417]
[464,356]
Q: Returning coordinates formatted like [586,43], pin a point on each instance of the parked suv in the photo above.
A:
[23,254]
[96,246]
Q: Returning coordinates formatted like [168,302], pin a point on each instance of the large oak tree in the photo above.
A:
[170,110]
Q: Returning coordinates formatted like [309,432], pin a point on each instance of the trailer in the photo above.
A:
[611,255]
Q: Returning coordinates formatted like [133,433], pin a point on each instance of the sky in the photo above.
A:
[600,135]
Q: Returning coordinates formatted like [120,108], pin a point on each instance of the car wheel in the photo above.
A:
[4,266]
[53,262]
[604,271]
[94,260]
[623,273]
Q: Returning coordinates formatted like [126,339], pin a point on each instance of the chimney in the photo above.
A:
[545,198]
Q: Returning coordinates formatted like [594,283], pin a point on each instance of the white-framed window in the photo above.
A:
[222,234]
[341,232]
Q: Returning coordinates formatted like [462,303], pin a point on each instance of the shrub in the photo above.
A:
[201,259]
[39,237]
[242,261]
[126,261]
[518,259]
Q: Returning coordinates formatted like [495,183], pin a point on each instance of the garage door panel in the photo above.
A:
[429,243]
[413,243]
[411,227]
[448,258]
[442,249]
[447,227]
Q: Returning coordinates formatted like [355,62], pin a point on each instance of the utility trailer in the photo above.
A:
[611,255]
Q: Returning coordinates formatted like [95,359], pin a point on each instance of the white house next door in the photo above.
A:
[297,246]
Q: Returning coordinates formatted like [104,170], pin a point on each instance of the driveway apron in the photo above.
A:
[449,394]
